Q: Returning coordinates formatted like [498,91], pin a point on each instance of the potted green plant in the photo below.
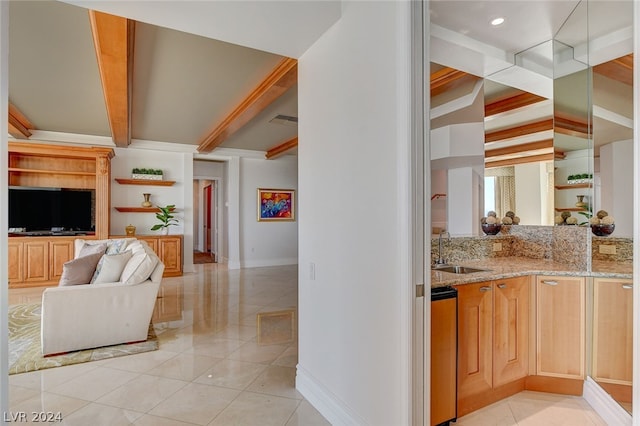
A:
[166,219]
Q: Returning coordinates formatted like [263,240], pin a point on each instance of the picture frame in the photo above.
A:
[276,205]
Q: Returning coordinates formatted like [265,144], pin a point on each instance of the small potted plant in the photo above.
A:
[166,219]
[146,174]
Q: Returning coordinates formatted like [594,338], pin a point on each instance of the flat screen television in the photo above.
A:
[47,209]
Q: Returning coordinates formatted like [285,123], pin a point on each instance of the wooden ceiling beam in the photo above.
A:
[571,126]
[525,129]
[521,148]
[279,80]
[519,160]
[113,39]
[278,150]
[447,79]
[620,69]
[19,125]
[511,102]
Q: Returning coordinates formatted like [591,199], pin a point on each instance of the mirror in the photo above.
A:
[576,87]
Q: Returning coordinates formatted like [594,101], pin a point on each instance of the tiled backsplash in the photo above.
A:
[565,244]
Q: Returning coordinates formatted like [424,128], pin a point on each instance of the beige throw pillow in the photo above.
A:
[80,270]
[142,263]
[112,267]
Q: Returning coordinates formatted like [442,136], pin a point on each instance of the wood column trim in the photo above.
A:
[19,124]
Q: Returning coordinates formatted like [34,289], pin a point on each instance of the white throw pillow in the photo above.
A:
[142,263]
[112,267]
[113,247]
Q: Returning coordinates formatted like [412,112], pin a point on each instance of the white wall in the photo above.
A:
[531,193]
[353,352]
[4,279]
[176,166]
[616,185]
[266,243]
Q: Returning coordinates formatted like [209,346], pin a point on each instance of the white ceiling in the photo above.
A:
[184,81]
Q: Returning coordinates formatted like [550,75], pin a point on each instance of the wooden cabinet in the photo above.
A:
[493,323]
[560,327]
[60,251]
[37,261]
[612,331]
[15,261]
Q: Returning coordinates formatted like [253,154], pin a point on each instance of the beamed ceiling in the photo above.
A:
[81,75]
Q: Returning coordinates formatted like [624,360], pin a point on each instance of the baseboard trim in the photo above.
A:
[333,409]
[606,407]
[260,263]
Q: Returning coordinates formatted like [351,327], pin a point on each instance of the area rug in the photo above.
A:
[25,351]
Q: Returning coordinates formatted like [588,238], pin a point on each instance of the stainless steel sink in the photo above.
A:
[457,269]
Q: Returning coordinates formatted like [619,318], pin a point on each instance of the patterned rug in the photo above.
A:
[25,352]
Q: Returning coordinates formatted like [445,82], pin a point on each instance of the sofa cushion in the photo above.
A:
[112,267]
[88,249]
[142,263]
[80,270]
[113,247]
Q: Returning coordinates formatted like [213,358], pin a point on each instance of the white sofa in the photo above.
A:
[89,316]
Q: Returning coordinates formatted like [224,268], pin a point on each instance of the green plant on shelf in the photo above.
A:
[138,171]
[165,217]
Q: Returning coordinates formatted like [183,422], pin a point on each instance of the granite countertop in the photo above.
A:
[508,267]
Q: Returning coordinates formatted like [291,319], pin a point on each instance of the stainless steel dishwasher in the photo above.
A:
[444,355]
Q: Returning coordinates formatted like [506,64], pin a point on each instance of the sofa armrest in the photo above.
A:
[89,316]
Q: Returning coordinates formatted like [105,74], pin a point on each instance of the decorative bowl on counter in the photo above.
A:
[491,228]
[602,230]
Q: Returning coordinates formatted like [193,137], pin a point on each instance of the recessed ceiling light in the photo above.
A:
[497,21]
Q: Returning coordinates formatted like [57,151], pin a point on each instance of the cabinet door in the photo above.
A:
[36,261]
[474,338]
[60,251]
[510,330]
[170,252]
[560,327]
[15,260]
[613,331]
[443,360]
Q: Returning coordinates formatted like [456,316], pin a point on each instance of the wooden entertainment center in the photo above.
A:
[37,260]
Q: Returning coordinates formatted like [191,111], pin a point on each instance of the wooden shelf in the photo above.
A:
[149,182]
[574,186]
[570,209]
[139,209]
[51,172]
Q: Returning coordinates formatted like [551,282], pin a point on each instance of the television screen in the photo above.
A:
[44,209]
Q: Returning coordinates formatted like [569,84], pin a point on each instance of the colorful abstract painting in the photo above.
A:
[276,204]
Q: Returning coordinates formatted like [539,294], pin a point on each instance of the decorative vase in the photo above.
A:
[491,228]
[602,230]
[146,202]
[581,204]
[164,231]
[130,230]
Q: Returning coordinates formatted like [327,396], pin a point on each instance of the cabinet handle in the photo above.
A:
[502,286]
[627,286]
[485,288]
[550,282]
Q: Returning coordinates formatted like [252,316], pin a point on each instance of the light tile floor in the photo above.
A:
[534,409]
[211,370]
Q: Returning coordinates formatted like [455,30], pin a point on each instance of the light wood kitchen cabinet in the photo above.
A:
[493,324]
[612,331]
[560,326]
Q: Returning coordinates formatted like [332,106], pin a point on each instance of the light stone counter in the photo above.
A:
[508,267]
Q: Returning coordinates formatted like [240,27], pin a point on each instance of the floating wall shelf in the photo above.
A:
[139,209]
[149,182]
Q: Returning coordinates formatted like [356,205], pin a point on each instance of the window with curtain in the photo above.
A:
[504,189]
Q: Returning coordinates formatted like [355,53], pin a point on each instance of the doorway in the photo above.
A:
[206,223]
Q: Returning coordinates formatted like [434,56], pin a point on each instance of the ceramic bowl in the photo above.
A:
[603,230]
[491,228]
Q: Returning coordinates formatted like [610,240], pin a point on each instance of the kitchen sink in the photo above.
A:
[457,269]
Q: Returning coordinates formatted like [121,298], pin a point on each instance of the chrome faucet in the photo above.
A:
[440,260]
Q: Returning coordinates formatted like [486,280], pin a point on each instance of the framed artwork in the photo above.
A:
[276,205]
